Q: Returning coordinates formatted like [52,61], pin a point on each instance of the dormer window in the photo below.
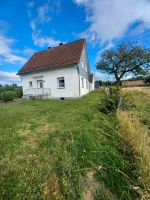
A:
[30,83]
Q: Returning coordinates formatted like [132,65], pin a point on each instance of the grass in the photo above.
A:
[140,96]
[63,150]
[135,130]
[138,139]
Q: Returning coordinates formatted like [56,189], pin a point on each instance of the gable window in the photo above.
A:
[61,82]
[82,82]
[30,83]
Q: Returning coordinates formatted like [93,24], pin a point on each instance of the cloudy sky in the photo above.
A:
[28,26]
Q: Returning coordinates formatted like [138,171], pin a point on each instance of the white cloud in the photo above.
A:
[6,52]
[101,76]
[111,19]
[44,41]
[43,17]
[33,23]
[43,12]
[9,77]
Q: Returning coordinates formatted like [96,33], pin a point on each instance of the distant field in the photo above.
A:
[63,150]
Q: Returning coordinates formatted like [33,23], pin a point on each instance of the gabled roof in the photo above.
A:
[65,54]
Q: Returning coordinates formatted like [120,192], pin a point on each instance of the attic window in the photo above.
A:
[30,83]
[61,82]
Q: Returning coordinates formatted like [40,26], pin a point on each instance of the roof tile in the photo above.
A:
[65,54]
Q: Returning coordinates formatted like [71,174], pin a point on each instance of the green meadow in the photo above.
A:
[63,150]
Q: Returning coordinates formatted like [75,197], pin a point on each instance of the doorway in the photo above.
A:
[40,86]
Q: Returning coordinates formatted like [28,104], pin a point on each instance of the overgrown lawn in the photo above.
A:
[61,150]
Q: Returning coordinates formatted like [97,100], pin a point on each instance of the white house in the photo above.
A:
[59,72]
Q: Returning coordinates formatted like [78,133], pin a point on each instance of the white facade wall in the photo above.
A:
[50,77]
[84,73]
[85,88]
[92,86]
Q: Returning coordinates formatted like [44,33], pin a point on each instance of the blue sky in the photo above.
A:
[28,26]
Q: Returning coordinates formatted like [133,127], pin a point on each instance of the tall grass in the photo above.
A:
[136,135]
[63,150]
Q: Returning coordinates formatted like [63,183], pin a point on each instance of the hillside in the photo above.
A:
[63,150]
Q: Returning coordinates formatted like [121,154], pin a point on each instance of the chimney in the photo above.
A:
[60,43]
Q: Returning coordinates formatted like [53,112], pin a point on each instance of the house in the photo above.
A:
[59,72]
[141,82]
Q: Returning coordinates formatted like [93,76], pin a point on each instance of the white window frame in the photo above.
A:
[58,79]
[82,80]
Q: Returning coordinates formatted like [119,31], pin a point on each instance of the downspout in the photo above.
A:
[79,80]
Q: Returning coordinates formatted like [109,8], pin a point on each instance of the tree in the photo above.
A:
[127,59]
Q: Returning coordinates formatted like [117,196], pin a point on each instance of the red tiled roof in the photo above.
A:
[64,54]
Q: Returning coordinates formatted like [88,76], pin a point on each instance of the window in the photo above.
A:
[86,84]
[82,82]
[30,83]
[61,82]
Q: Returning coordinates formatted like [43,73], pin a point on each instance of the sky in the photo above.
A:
[28,26]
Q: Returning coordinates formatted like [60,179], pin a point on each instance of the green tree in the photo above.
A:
[127,59]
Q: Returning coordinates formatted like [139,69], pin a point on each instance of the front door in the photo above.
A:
[40,87]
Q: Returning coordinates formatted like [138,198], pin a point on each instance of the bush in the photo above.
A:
[18,92]
[0,96]
[8,96]
[110,102]
[114,100]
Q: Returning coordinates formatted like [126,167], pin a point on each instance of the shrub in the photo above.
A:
[111,101]
[114,100]
[8,96]
[18,92]
[0,95]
